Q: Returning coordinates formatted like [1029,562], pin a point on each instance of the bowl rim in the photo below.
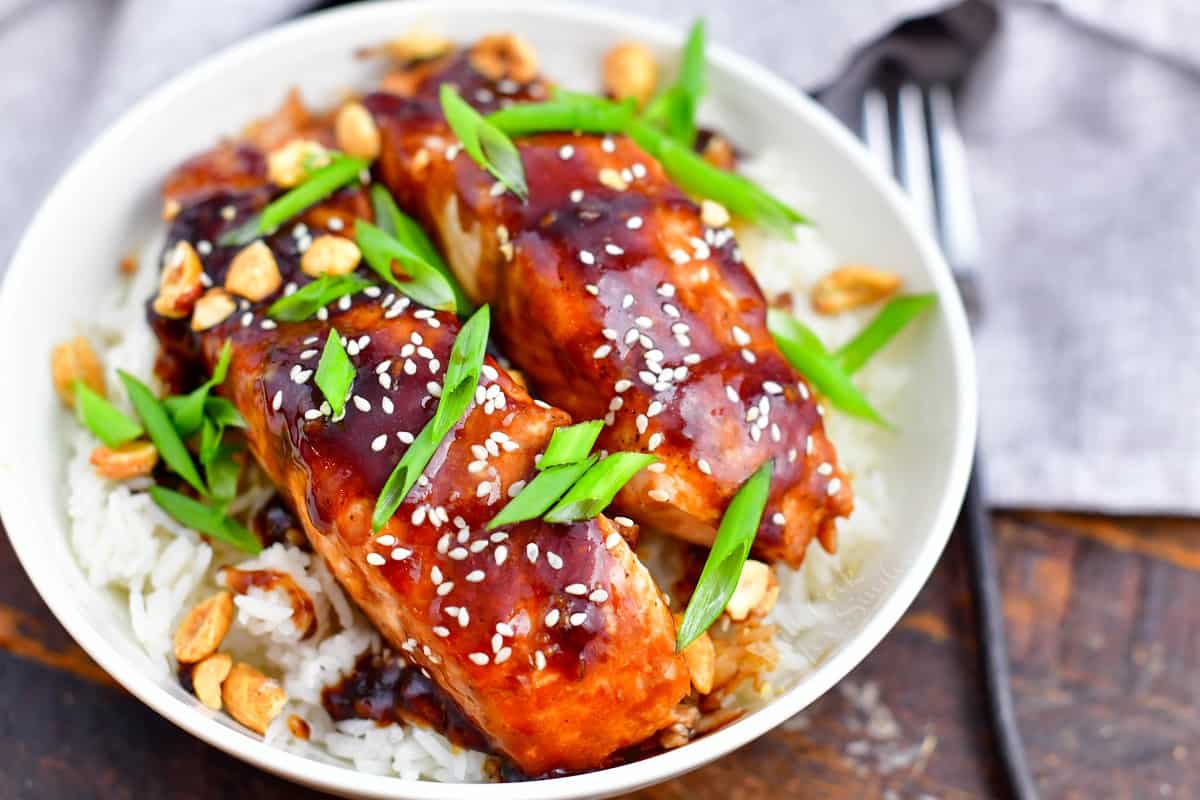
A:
[342,780]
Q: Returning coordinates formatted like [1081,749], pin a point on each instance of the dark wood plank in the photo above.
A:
[1103,637]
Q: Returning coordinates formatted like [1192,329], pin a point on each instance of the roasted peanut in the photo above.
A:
[179,285]
[75,360]
[290,164]
[207,677]
[701,658]
[213,308]
[298,727]
[252,698]
[853,286]
[713,214]
[253,273]
[750,591]
[356,131]
[719,152]
[504,55]
[130,460]
[330,255]
[203,628]
[418,45]
[630,71]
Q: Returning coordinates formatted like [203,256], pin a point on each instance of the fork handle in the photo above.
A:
[993,644]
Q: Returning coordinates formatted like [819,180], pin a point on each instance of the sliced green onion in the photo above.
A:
[404,475]
[315,188]
[106,422]
[408,232]
[674,111]
[462,373]
[312,297]
[566,112]
[210,441]
[592,493]
[458,389]
[162,432]
[808,355]
[486,144]
[882,329]
[541,493]
[187,411]
[335,373]
[426,284]
[223,413]
[571,443]
[204,519]
[222,472]
[723,568]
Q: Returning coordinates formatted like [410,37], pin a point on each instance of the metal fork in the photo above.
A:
[924,150]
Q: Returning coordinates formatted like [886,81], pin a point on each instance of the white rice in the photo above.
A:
[159,569]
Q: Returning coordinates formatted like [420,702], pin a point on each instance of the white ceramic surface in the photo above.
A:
[107,203]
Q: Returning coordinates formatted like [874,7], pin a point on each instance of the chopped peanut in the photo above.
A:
[418,45]
[253,273]
[719,152]
[298,727]
[853,286]
[630,71]
[213,308]
[290,164]
[356,131]
[750,591]
[700,658]
[75,360]
[130,460]
[330,255]
[207,677]
[179,285]
[203,628]
[252,698]
[505,55]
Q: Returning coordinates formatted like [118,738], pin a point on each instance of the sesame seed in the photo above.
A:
[442,631]
[552,618]
[592,289]
[622,385]
[435,575]
[655,441]
[539,660]
[654,409]
[501,554]
[627,300]
[484,487]
[566,151]
[576,195]
[771,387]
[361,403]
[598,596]
[642,421]
[748,356]
[553,560]
[376,560]
[312,413]
[458,554]
[479,545]
[613,250]
[277,400]
[648,378]
[631,335]
[401,553]
[482,659]
[503,655]
[602,351]
[586,257]
[531,552]
[692,358]
[607,145]
[704,467]
[613,540]
[517,486]
[670,310]
[464,618]
[835,485]
[659,494]
[379,442]
[633,223]
[576,589]
[445,588]
[405,437]
[577,619]
[740,336]
[808,444]
[644,322]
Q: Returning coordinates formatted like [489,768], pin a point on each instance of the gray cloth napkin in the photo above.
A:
[1079,121]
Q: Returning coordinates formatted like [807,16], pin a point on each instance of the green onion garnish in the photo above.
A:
[223,413]
[486,144]
[210,441]
[458,389]
[162,432]
[315,188]
[335,373]
[204,519]
[222,473]
[103,419]
[391,220]
[541,493]
[312,297]
[882,329]
[592,493]
[462,373]
[808,355]
[568,111]
[570,444]
[187,411]
[674,111]
[426,284]
[723,568]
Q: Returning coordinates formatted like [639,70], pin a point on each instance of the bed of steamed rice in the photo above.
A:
[158,569]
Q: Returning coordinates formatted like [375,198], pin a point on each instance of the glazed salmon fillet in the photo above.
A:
[620,302]
[553,639]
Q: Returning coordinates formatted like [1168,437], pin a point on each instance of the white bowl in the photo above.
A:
[107,203]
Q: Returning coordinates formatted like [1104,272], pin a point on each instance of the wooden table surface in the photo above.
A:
[1102,626]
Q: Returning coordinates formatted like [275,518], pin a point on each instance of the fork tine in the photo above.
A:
[959,230]
[877,129]
[913,144]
